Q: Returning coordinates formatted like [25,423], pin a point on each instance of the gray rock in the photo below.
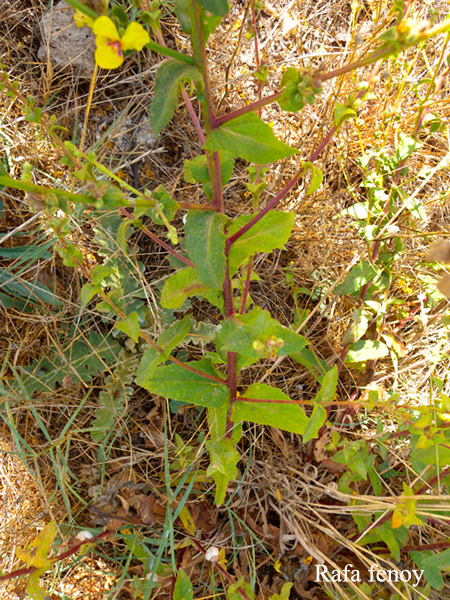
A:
[65,44]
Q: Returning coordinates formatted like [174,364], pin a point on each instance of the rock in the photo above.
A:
[65,44]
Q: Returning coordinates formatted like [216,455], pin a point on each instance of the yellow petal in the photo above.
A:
[104,26]
[107,57]
[135,37]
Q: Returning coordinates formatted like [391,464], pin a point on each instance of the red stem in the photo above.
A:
[193,115]
[66,554]
[156,239]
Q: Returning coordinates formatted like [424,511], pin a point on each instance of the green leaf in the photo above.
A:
[223,469]
[366,350]
[168,206]
[432,565]
[80,359]
[233,592]
[343,113]
[248,137]
[285,592]
[319,415]
[168,340]
[328,388]
[114,396]
[34,292]
[183,587]
[177,383]
[205,245]
[359,211]
[316,177]
[100,272]
[361,274]
[218,7]
[315,365]
[393,538]
[170,75]
[356,457]
[253,336]
[210,22]
[271,232]
[87,292]
[196,170]
[184,283]
[288,417]
[315,423]
[130,326]
[182,10]
[406,147]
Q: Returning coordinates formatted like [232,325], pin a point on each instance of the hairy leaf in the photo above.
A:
[196,170]
[130,326]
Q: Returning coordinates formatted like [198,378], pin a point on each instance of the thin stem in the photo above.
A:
[246,109]
[217,190]
[284,192]
[171,53]
[156,239]
[193,115]
[246,289]
[209,116]
[59,557]
[232,386]
[33,188]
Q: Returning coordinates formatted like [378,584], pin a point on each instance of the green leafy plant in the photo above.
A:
[211,259]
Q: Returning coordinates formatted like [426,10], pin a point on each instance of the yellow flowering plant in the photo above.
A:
[111,45]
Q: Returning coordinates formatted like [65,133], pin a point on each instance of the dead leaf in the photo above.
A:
[332,466]
[149,510]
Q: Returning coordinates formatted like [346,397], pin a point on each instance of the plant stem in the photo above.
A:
[246,109]
[193,115]
[33,188]
[246,289]
[171,53]
[269,206]
[156,239]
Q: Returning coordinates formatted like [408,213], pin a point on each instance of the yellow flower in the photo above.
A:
[110,46]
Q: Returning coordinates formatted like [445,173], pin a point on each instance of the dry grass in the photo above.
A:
[285,505]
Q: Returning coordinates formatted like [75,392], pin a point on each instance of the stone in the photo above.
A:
[66,45]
